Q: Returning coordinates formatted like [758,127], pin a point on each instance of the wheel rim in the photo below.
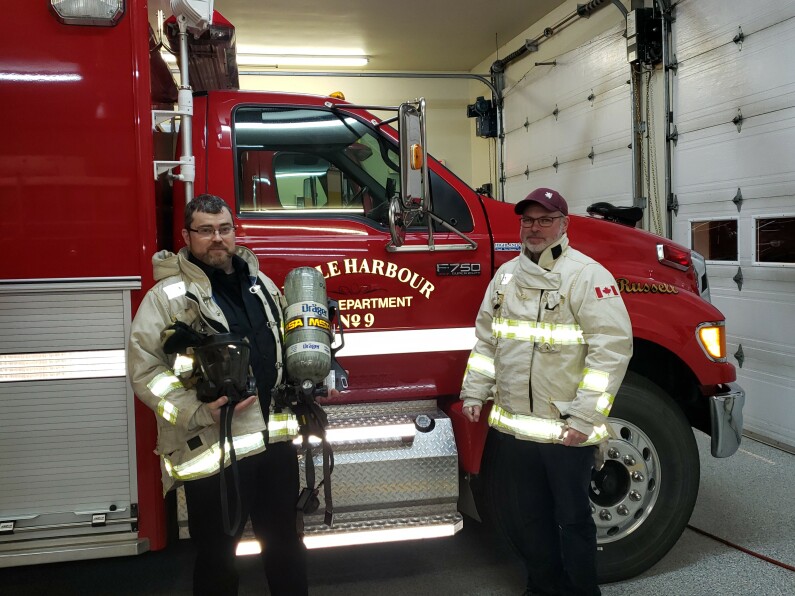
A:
[624,491]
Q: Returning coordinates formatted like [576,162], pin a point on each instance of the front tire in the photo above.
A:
[643,497]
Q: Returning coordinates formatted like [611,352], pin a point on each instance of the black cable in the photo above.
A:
[230,529]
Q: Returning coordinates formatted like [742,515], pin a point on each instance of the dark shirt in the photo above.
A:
[246,317]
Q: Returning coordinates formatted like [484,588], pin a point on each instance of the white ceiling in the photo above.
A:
[397,35]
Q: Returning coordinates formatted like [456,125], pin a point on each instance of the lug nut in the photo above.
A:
[604,515]
[622,510]
[629,460]
[613,453]
[593,509]
[634,495]
[637,476]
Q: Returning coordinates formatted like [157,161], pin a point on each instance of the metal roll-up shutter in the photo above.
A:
[67,437]
[734,182]
[568,126]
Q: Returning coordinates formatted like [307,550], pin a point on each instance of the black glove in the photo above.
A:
[179,337]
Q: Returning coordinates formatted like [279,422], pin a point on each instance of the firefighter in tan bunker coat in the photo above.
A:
[554,342]
[213,286]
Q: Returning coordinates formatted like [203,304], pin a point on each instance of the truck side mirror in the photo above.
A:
[413,170]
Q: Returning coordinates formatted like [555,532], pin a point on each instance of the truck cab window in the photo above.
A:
[311,161]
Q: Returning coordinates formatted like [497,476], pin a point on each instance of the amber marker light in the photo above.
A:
[416,156]
[712,337]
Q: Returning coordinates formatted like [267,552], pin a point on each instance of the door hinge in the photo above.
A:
[674,136]
[673,204]
[738,199]
[739,38]
[738,120]
[738,278]
[740,355]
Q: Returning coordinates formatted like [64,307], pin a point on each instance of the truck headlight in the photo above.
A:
[712,338]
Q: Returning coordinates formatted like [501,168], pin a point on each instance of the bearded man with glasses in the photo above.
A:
[212,286]
[554,341]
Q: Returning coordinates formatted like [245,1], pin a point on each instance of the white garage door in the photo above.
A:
[734,181]
[568,125]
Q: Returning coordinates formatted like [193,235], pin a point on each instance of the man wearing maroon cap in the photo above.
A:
[554,342]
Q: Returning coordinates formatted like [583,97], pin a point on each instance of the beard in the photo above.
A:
[539,247]
[218,257]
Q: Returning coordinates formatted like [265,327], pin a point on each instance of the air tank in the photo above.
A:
[307,330]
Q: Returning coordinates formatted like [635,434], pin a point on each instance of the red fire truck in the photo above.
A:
[312,181]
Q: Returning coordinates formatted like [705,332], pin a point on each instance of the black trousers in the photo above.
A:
[555,532]
[269,486]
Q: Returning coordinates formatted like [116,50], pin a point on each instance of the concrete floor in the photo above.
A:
[746,499]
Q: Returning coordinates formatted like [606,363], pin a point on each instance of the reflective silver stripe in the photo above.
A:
[536,332]
[539,429]
[183,364]
[175,290]
[168,411]
[209,461]
[282,425]
[164,383]
[481,364]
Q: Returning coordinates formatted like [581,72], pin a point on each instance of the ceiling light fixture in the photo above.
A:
[276,60]
[299,60]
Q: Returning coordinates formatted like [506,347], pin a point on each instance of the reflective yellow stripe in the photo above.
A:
[595,380]
[539,429]
[481,364]
[182,364]
[163,384]
[209,462]
[536,332]
[604,403]
[283,425]
[168,411]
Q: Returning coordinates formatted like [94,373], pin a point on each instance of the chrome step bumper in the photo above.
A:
[395,475]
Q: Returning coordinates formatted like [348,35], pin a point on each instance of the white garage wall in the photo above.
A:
[717,77]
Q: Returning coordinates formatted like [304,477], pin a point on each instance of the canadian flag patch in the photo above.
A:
[605,292]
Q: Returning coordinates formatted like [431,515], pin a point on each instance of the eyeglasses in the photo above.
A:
[544,222]
[209,232]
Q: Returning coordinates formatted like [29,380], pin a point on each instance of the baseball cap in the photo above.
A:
[547,198]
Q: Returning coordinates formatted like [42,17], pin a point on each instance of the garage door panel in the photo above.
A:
[768,407]
[581,182]
[597,67]
[603,126]
[721,159]
[712,86]
[521,144]
[705,24]
[586,125]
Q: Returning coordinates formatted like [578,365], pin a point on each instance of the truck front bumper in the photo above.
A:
[726,413]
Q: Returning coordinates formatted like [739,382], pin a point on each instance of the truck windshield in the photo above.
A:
[307,160]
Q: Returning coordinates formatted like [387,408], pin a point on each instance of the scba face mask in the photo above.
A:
[224,363]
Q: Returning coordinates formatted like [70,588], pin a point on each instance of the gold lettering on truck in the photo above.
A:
[632,287]
[378,267]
